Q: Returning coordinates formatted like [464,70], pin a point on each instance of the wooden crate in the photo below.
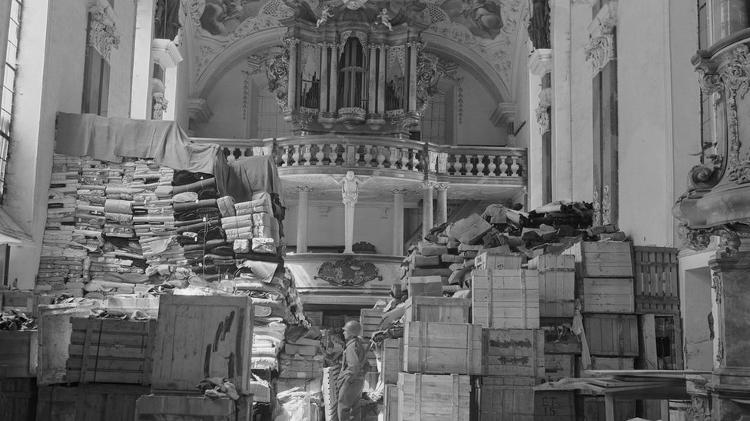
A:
[299,367]
[440,348]
[592,409]
[614,335]
[484,263]
[18,398]
[315,318]
[370,319]
[18,353]
[110,351]
[433,397]
[556,285]
[608,295]
[428,286]
[506,398]
[330,392]
[390,403]
[23,301]
[559,366]
[198,337]
[55,330]
[560,339]
[437,309]
[607,259]
[607,363]
[513,352]
[193,408]
[111,402]
[656,280]
[505,299]
[393,359]
[554,406]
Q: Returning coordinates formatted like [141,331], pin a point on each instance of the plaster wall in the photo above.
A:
[50,79]
[561,170]
[226,102]
[475,127]
[695,306]
[645,121]
[373,222]
[121,61]
[581,106]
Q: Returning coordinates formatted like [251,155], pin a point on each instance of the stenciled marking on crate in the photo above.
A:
[224,327]
[510,343]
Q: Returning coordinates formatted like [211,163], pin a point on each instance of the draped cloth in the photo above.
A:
[112,138]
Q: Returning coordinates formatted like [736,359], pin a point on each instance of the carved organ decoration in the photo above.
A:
[348,71]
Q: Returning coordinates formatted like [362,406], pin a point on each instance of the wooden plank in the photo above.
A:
[556,293]
[198,337]
[149,407]
[390,403]
[55,332]
[648,359]
[612,334]
[393,359]
[370,319]
[437,309]
[429,286]
[506,299]
[608,295]
[594,409]
[439,348]
[18,398]
[503,398]
[513,352]
[559,366]
[18,357]
[111,402]
[433,397]
[484,263]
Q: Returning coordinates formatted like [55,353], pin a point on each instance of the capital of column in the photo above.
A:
[305,189]
[540,62]
[441,186]
[399,191]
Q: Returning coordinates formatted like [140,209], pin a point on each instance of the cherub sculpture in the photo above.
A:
[324,16]
[384,19]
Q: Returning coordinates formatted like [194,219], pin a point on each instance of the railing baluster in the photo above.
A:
[393,159]
[380,158]
[285,157]
[404,158]
[319,154]
[367,156]
[514,167]
[454,165]
[307,154]
[469,166]
[415,160]
[295,155]
[503,166]
[442,163]
[491,166]
[480,165]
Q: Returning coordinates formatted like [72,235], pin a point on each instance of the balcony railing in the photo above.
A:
[378,153]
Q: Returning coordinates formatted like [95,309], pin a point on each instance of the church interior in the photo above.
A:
[392,210]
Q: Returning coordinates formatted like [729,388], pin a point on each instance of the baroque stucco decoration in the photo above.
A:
[488,28]
[600,49]
[348,272]
[103,34]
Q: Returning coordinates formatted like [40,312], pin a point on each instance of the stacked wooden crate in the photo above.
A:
[199,337]
[427,372]
[506,303]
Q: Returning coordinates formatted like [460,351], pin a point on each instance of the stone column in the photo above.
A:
[412,77]
[427,221]
[730,283]
[349,194]
[302,211]
[728,17]
[540,63]
[334,78]
[381,81]
[442,203]
[140,98]
[398,222]
[292,93]
[324,78]
[372,81]
[562,143]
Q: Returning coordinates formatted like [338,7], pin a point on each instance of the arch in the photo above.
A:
[471,61]
[235,53]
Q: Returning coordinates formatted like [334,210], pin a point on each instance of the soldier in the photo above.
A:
[351,379]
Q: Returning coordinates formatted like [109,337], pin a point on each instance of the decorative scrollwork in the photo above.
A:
[103,35]
[600,51]
[720,351]
[277,72]
[700,408]
[700,238]
[348,272]
[716,284]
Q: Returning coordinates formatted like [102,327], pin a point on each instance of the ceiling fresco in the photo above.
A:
[488,27]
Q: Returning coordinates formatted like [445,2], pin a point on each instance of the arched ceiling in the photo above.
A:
[483,36]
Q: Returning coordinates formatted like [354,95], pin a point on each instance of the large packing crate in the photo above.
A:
[505,299]
[560,339]
[18,398]
[656,280]
[608,295]
[593,408]
[22,301]
[315,318]
[556,285]
[193,408]
[370,319]
[393,359]
[440,348]
[506,399]
[18,353]
[390,403]
[608,259]
[433,397]
[198,337]
[559,366]
[427,286]
[608,363]
[513,352]
[485,263]
[554,406]
[110,351]
[55,331]
[111,402]
[613,335]
[300,366]
[437,309]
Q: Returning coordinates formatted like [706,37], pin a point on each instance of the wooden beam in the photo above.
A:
[609,407]
[649,360]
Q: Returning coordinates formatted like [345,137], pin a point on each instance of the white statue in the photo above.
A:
[384,19]
[350,188]
[354,4]
[324,16]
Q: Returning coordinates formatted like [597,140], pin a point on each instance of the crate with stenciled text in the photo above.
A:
[505,299]
[437,309]
[202,336]
[513,352]
[442,348]
[433,397]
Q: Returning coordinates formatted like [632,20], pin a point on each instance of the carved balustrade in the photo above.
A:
[378,153]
